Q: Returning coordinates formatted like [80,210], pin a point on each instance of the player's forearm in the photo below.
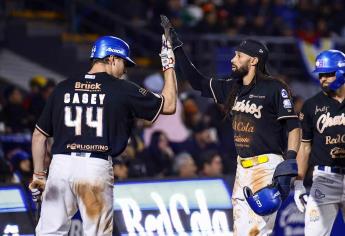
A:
[169,92]
[188,71]
[294,139]
[39,149]
[302,159]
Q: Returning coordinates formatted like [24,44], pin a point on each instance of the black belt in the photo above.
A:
[90,155]
[332,169]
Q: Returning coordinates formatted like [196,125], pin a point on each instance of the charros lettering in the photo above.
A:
[247,107]
[325,121]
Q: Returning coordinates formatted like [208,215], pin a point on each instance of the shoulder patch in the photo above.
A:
[284,93]
[301,116]
[287,103]
[143,91]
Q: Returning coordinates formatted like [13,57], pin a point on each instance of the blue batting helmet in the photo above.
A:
[331,61]
[110,45]
[265,201]
[269,199]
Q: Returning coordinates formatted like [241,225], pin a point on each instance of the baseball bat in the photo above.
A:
[38,211]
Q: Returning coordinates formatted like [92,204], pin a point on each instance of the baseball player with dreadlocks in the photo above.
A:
[323,146]
[261,109]
[90,118]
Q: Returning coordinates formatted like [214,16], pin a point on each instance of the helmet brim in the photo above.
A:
[323,70]
[130,62]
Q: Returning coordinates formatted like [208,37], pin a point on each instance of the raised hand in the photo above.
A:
[167,54]
[170,33]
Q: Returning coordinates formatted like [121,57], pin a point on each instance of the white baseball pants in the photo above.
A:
[77,182]
[246,222]
[327,196]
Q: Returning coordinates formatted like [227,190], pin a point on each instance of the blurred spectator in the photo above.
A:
[191,112]
[211,164]
[36,84]
[184,166]
[214,116]
[39,98]
[120,169]
[171,125]
[15,116]
[21,163]
[201,140]
[136,166]
[298,103]
[158,156]
[6,174]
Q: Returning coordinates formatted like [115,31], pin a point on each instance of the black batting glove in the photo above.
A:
[170,33]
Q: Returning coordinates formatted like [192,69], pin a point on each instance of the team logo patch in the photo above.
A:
[90,77]
[284,93]
[93,51]
[287,104]
[314,215]
[301,116]
[341,64]
[319,194]
[319,63]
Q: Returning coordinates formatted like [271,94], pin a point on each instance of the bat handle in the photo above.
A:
[38,211]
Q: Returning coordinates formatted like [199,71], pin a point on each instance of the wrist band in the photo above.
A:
[291,154]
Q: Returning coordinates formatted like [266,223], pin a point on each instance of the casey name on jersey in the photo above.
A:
[84,98]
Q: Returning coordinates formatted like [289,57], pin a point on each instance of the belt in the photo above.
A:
[90,155]
[253,161]
[332,169]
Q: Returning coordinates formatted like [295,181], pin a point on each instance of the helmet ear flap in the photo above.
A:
[339,80]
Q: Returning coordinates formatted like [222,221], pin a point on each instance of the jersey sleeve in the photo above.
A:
[306,118]
[144,103]
[45,122]
[220,89]
[283,104]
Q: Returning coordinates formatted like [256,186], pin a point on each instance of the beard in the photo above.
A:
[327,90]
[240,72]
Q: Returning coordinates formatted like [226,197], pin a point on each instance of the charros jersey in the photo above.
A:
[257,114]
[95,113]
[323,124]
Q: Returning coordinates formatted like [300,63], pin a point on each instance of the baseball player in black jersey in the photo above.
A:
[90,118]
[323,146]
[261,108]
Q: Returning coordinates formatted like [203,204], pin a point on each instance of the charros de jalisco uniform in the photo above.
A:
[90,117]
[262,114]
[323,123]
[75,113]
[257,114]
[323,147]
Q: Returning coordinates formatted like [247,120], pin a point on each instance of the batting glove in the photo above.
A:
[37,186]
[300,195]
[167,55]
[170,33]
